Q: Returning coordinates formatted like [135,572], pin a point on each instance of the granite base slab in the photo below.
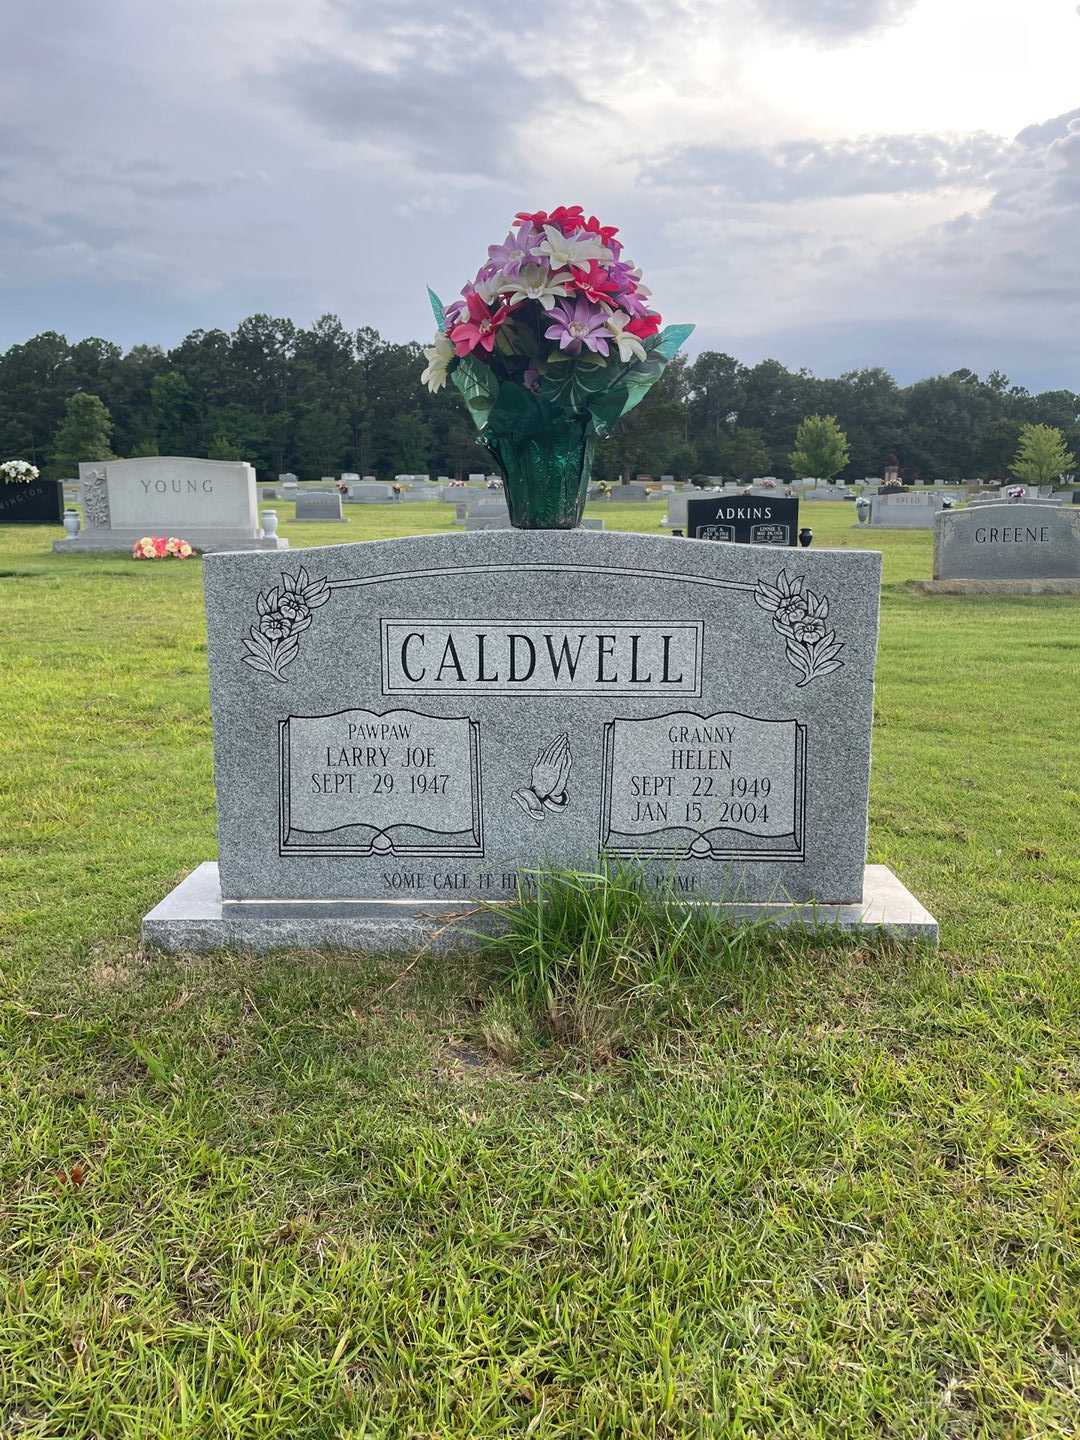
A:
[997,587]
[194,917]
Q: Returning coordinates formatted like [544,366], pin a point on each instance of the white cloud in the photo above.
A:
[832,179]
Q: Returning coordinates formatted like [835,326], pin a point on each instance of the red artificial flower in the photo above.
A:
[643,326]
[567,217]
[478,332]
[605,232]
[161,545]
[594,283]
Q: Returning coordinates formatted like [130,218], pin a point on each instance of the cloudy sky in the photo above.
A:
[834,183]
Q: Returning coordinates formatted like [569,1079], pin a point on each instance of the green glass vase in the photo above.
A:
[546,474]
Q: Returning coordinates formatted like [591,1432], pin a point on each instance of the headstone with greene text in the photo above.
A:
[1007,542]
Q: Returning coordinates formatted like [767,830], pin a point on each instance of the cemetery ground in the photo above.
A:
[635,1180]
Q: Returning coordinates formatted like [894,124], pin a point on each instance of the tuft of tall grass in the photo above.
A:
[592,961]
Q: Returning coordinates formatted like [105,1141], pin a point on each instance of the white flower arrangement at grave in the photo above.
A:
[18,472]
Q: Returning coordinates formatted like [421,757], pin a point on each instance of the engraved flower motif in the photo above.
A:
[293,607]
[284,613]
[807,630]
[275,627]
[791,609]
[800,616]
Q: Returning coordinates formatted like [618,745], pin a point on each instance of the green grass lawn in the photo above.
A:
[774,1188]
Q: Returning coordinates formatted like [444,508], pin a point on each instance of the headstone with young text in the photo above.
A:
[210,503]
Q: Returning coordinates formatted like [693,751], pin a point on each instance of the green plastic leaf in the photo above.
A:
[670,340]
[479,387]
[437,310]
[515,412]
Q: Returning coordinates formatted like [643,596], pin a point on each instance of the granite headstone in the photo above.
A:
[379,729]
[318,506]
[1007,542]
[750,520]
[32,502]
[906,511]
[210,503]
[405,724]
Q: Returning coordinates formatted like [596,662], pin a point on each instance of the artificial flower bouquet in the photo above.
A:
[1016,492]
[550,345]
[18,472]
[158,547]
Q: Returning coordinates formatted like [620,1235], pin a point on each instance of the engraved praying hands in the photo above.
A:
[549,773]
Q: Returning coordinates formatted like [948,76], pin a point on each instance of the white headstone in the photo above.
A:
[210,503]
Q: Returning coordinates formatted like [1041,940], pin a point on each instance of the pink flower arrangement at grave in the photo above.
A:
[158,547]
[558,277]
[550,344]
[1016,492]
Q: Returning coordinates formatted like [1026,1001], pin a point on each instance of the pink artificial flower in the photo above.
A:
[478,332]
[567,217]
[643,326]
[606,233]
[594,283]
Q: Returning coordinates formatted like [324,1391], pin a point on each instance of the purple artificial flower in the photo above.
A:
[531,379]
[455,312]
[581,324]
[515,251]
[623,274]
[634,303]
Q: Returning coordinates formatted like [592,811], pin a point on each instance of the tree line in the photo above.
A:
[325,399]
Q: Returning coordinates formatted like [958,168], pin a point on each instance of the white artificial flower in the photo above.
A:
[438,357]
[630,347]
[20,471]
[566,250]
[487,288]
[536,282]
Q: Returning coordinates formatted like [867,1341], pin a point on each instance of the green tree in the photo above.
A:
[83,434]
[1042,455]
[174,414]
[412,444]
[744,453]
[221,447]
[821,448]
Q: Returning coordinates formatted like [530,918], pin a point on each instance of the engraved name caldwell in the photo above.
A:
[545,659]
